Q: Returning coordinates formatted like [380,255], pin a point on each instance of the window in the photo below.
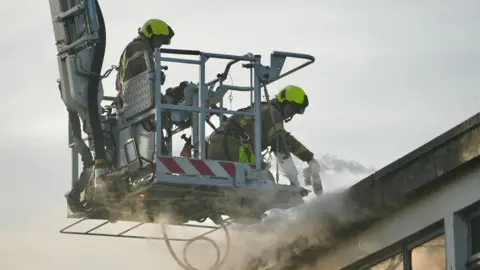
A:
[393,263]
[429,255]
[473,261]
[424,250]
[475,235]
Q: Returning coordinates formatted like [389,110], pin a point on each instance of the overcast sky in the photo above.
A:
[389,76]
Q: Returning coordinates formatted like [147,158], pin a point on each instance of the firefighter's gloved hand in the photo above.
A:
[313,171]
[314,176]
[307,178]
[314,167]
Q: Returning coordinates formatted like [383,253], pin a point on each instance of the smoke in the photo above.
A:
[337,173]
[310,223]
[286,232]
[281,234]
[40,242]
[330,162]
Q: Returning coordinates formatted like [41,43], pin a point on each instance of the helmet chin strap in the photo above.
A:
[288,119]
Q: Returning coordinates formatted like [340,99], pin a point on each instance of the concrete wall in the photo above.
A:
[397,189]
[436,206]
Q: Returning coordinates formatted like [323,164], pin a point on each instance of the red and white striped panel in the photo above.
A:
[188,166]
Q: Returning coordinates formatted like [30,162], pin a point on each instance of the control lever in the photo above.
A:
[187,147]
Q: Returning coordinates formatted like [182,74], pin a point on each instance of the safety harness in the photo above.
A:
[235,129]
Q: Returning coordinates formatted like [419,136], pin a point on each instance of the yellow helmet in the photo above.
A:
[294,95]
[156,27]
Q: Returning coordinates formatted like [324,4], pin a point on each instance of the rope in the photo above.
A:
[277,141]
[230,97]
[219,261]
[108,71]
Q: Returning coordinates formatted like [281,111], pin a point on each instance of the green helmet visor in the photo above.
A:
[300,108]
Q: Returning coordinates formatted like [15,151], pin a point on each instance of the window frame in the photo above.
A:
[419,242]
[403,247]
[473,259]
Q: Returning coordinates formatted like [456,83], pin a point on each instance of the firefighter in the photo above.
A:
[234,139]
[154,33]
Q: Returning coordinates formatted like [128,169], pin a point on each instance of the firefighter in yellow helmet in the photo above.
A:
[234,139]
[154,33]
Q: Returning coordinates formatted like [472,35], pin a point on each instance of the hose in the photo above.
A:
[93,82]
[78,142]
[76,133]
[279,139]
[219,261]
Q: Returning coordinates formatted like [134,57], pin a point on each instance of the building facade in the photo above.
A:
[438,231]
[425,212]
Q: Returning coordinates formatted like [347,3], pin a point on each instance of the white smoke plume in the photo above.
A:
[295,229]
[330,162]
[45,248]
[310,223]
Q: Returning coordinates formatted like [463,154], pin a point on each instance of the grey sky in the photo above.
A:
[389,76]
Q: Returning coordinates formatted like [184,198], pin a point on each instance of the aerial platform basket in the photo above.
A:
[132,142]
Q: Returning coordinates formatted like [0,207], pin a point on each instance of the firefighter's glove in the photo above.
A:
[313,171]
[314,167]
[307,178]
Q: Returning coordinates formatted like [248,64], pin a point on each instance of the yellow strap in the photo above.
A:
[123,65]
[245,154]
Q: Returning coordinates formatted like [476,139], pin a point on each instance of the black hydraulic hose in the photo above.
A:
[76,132]
[93,82]
[78,142]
